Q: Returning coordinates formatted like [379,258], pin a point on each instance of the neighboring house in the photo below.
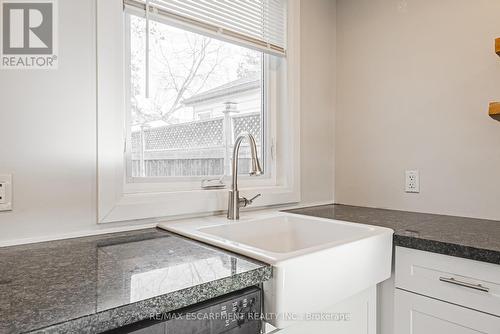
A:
[239,96]
[202,146]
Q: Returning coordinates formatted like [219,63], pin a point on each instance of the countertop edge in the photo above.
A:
[446,248]
[127,314]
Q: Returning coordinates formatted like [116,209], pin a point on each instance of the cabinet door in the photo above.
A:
[423,273]
[416,314]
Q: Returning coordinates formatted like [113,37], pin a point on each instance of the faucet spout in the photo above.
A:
[235,202]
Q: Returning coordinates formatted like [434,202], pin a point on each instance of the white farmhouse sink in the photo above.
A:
[284,236]
[316,262]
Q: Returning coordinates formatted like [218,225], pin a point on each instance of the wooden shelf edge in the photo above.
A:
[494,110]
[497,46]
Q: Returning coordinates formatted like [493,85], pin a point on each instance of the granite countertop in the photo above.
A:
[476,239]
[98,283]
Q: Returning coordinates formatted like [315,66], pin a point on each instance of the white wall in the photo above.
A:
[48,129]
[317,99]
[414,81]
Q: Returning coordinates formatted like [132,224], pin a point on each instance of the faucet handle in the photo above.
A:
[246,202]
[254,198]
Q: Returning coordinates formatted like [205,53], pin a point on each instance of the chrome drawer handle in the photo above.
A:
[464,284]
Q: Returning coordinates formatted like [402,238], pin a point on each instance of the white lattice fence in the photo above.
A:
[247,123]
[190,149]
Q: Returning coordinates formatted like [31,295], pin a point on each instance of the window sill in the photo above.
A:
[141,206]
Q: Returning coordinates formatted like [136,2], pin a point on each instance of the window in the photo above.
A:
[171,134]
[164,124]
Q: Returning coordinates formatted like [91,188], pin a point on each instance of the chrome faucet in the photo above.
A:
[235,202]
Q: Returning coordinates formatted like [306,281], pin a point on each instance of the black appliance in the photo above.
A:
[235,313]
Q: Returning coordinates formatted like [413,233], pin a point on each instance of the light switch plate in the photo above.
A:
[5,192]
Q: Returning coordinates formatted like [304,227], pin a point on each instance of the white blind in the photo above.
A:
[259,24]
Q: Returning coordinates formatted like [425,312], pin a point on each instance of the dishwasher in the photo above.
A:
[235,313]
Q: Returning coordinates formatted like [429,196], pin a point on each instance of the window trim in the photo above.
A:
[186,183]
[114,202]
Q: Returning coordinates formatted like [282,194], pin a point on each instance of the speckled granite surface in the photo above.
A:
[476,239]
[92,284]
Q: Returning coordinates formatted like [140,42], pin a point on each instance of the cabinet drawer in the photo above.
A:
[415,314]
[460,281]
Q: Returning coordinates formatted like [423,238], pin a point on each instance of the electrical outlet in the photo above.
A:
[412,182]
[3,186]
[5,192]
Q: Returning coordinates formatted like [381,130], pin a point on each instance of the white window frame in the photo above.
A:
[185,183]
[119,199]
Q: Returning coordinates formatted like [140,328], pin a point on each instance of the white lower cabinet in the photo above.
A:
[440,294]
[416,314]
